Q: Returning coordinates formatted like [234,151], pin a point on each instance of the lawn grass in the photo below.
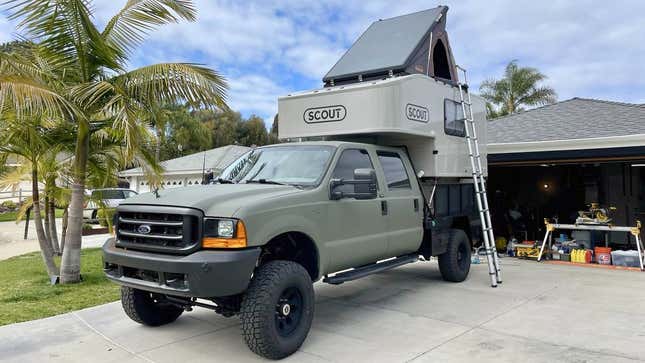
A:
[11,216]
[25,292]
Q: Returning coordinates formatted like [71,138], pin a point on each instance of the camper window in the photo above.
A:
[453,118]
[395,174]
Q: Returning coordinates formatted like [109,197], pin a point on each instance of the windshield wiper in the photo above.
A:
[225,181]
[264,181]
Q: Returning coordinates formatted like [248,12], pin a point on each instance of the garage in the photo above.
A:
[553,161]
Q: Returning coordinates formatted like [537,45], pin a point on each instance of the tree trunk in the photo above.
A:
[46,218]
[53,231]
[45,247]
[158,146]
[70,271]
[63,233]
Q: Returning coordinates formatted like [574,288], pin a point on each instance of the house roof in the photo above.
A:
[216,159]
[597,127]
[387,44]
[577,118]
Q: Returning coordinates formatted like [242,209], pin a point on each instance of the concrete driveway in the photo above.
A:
[542,313]
[13,244]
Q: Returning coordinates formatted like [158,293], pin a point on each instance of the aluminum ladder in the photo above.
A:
[494,267]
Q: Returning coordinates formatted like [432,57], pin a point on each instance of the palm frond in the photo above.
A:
[65,31]
[176,83]
[128,28]
[28,96]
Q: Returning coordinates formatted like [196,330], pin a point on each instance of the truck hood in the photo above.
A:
[218,200]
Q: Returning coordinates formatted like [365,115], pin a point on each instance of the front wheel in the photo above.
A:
[454,264]
[277,309]
[145,308]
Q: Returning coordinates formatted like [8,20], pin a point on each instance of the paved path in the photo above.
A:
[542,313]
[12,242]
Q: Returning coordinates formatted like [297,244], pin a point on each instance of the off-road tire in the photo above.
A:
[454,264]
[141,307]
[261,305]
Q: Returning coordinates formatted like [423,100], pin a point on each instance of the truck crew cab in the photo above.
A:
[376,176]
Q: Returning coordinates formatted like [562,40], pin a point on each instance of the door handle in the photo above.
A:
[384,207]
[416,205]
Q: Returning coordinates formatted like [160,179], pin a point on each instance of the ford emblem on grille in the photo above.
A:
[144,229]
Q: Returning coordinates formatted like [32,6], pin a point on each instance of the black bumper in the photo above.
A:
[201,274]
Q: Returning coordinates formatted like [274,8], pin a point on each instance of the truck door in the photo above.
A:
[404,204]
[358,233]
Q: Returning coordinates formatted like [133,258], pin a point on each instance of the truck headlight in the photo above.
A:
[225,228]
[224,233]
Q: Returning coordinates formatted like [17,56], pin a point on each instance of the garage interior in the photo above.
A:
[522,195]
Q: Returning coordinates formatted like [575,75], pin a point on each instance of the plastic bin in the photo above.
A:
[625,258]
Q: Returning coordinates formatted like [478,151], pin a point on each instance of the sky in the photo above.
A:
[268,48]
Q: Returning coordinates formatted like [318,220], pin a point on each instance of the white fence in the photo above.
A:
[15,196]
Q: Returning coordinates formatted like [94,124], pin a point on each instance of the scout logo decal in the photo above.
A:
[325,114]
[417,113]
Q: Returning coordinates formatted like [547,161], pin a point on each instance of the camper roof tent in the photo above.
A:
[398,46]
[394,86]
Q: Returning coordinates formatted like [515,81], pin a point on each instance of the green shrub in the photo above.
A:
[8,204]
[87,227]
[105,215]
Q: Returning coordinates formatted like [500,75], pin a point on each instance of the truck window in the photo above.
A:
[395,175]
[349,160]
[453,116]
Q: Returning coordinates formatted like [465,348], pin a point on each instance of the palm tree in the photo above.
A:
[26,137]
[80,76]
[519,87]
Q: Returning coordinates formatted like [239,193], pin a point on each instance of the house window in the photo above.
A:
[453,116]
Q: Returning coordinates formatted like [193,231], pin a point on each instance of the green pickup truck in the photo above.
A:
[279,218]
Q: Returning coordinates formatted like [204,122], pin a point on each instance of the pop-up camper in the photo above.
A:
[398,86]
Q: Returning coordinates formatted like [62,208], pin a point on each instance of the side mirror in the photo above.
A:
[364,183]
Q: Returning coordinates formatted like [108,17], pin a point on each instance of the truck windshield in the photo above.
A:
[302,165]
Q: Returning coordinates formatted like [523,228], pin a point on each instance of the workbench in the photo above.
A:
[634,231]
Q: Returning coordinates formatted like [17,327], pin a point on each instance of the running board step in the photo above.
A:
[360,272]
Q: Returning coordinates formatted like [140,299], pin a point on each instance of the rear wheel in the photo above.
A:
[277,309]
[454,264]
[147,308]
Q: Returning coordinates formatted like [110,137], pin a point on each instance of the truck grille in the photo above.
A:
[162,229]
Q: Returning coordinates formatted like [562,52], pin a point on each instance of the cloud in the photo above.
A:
[255,95]
[272,47]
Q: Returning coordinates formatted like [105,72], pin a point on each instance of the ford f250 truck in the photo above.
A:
[387,183]
[281,218]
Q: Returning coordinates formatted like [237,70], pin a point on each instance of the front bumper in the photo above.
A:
[201,274]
